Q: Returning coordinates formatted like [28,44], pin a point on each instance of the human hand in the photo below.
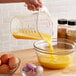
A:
[33,4]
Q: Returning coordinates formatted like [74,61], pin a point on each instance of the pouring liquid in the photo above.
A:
[49,61]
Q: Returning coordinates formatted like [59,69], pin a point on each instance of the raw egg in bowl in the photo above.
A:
[8,64]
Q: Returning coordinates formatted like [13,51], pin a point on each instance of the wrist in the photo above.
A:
[10,1]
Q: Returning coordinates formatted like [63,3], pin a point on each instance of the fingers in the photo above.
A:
[31,7]
[38,3]
[34,4]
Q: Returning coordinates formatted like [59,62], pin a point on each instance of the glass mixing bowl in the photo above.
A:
[58,58]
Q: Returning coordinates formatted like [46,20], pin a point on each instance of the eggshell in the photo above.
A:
[13,62]
[4,69]
[5,58]
[0,61]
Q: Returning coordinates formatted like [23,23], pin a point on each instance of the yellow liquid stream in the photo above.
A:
[49,61]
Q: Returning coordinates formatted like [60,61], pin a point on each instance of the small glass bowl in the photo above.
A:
[59,57]
[12,71]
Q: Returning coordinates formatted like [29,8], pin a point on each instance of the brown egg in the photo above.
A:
[13,62]
[0,61]
[4,69]
[5,58]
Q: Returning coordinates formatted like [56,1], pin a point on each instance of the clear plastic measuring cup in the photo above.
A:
[33,25]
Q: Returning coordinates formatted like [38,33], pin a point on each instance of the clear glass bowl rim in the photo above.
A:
[55,53]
